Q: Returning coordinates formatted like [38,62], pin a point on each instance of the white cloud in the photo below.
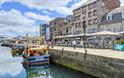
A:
[64,10]
[41,4]
[46,12]
[13,22]
[122,2]
[44,18]
[56,5]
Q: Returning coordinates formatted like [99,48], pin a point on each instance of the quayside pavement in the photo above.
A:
[99,52]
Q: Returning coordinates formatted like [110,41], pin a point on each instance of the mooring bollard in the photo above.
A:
[85,55]
[62,50]
[76,54]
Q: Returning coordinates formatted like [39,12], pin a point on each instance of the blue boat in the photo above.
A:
[37,56]
[39,60]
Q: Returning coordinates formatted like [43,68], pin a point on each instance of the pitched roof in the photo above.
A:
[115,19]
[117,10]
[115,15]
[89,2]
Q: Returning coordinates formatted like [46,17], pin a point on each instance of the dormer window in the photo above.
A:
[122,15]
[109,18]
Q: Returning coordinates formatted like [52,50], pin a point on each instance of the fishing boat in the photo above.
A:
[36,56]
[17,50]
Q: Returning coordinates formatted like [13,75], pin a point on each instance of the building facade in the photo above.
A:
[113,21]
[70,24]
[92,12]
[45,31]
[58,27]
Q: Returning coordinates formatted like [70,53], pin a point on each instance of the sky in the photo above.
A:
[21,17]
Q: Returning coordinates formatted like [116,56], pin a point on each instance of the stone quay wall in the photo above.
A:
[98,66]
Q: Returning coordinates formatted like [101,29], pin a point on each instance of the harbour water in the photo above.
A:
[11,67]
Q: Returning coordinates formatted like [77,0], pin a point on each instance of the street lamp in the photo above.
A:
[84,31]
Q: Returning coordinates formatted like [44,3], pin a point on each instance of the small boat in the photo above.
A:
[17,50]
[36,56]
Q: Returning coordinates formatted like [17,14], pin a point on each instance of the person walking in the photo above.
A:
[82,43]
[74,44]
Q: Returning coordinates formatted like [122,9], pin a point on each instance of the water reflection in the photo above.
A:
[11,67]
[55,71]
[39,73]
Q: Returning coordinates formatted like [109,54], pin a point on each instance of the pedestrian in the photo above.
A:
[82,43]
[74,44]
[52,44]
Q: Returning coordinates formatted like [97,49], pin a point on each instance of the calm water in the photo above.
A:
[12,68]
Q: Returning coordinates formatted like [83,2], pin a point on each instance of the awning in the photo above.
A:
[121,32]
[71,36]
[104,33]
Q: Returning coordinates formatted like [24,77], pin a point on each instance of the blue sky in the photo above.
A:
[18,17]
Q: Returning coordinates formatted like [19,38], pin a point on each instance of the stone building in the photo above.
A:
[57,25]
[92,12]
[113,21]
[70,24]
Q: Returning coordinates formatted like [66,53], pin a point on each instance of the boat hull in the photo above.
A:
[37,61]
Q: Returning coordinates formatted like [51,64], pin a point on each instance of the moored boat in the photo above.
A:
[36,56]
[17,50]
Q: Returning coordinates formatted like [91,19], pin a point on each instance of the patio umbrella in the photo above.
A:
[81,35]
[121,32]
[104,33]
[69,36]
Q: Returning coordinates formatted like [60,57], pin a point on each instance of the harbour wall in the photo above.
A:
[98,66]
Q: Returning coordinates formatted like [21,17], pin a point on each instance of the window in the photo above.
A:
[94,4]
[90,14]
[75,18]
[94,12]
[80,24]
[93,30]
[109,18]
[95,21]
[122,15]
[75,12]
[109,29]
[76,25]
[90,6]
[69,20]
[79,11]
[114,29]
[84,18]
[90,22]
[79,17]
[84,10]
[121,29]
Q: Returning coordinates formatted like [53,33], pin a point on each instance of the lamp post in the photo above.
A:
[84,31]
